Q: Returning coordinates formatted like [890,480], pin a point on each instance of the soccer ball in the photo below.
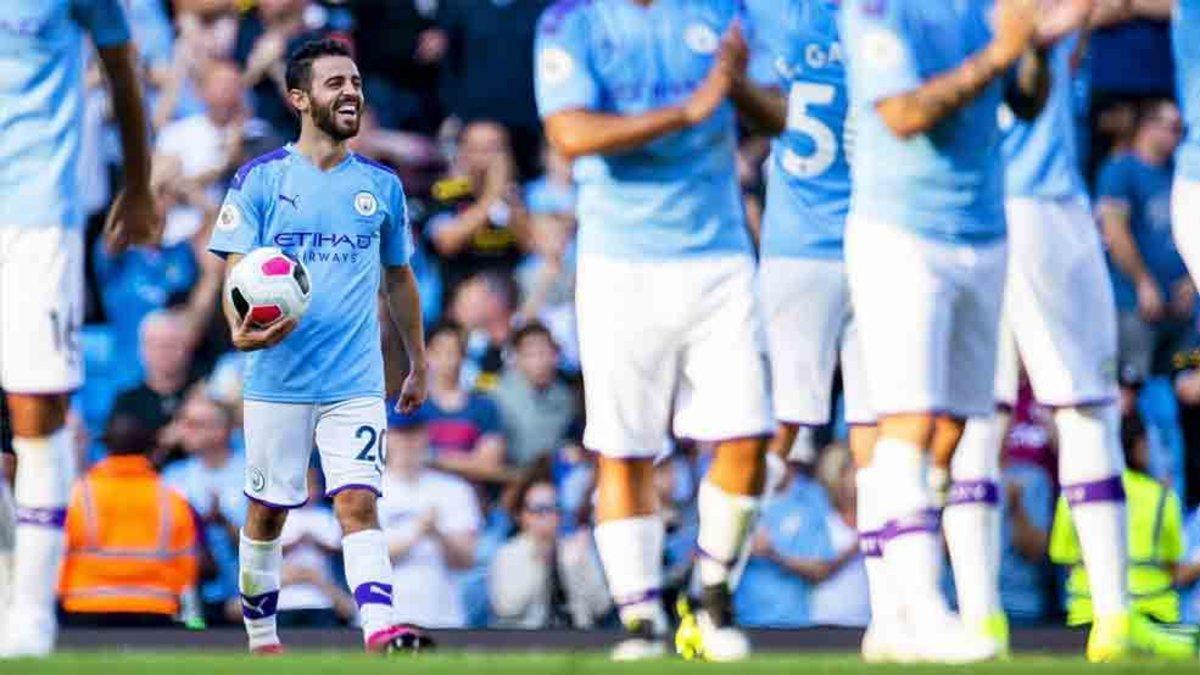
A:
[269,285]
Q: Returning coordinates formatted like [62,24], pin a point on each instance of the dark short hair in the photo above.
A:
[1148,110]
[126,434]
[448,327]
[532,329]
[299,63]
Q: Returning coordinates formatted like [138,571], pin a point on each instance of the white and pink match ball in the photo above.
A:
[269,284]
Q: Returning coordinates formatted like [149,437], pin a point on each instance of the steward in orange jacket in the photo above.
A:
[131,540]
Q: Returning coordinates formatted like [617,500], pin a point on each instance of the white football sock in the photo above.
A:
[369,574]
[259,564]
[971,519]
[1090,464]
[885,601]
[631,550]
[8,534]
[911,545]
[45,471]
[726,521]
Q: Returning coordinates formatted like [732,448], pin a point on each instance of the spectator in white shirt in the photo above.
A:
[431,520]
[540,579]
[309,596]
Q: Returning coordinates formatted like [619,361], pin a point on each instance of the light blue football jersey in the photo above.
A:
[677,196]
[808,175]
[947,184]
[343,223]
[41,103]
[1185,36]
[1041,157]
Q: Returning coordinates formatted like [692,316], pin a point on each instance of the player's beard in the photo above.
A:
[328,120]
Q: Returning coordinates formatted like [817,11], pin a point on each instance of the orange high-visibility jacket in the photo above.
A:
[131,541]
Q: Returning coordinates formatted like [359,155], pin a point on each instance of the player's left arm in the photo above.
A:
[404,308]
[132,219]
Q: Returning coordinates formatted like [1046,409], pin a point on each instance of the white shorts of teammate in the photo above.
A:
[349,436]
[1185,223]
[678,337]
[810,329]
[41,309]
[928,316]
[1059,314]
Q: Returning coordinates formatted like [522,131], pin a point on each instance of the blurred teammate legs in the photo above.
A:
[8,515]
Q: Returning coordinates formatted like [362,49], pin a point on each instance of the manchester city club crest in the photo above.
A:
[258,482]
[701,38]
[366,204]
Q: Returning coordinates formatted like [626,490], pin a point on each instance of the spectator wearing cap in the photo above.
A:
[536,407]
[540,578]
[431,520]
[211,478]
[130,539]
[463,426]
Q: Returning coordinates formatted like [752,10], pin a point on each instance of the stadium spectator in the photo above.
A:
[675,483]
[790,553]
[1155,296]
[166,340]
[841,599]
[398,50]
[1187,574]
[488,68]
[431,520]
[264,39]
[540,579]
[483,305]
[130,539]
[536,407]
[547,275]
[480,223]
[309,596]
[1155,532]
[463,425]
[212,478]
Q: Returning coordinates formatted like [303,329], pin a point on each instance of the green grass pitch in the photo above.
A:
[330,663]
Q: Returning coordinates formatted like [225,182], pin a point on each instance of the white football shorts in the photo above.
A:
[41,309]
[1059,304]
[1185,223]
[810,329]
[670,347]
[349,437]
[928,314]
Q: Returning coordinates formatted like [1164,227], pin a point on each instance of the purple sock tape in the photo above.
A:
[928,521]
[260,606]
[50,517]
[870,544]
[974,492]
[373,593]
[1106,490]
[650,595]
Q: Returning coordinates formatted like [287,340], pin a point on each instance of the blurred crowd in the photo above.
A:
[488,488]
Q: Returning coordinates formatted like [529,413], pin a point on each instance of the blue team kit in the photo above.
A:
[343,223]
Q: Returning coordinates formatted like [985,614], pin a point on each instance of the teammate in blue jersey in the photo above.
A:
[42,49]
[925,256]
[320,381]
[643,95]
[1059,318]
[1185,197]
[805,294]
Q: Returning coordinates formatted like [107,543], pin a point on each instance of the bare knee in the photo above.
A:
[264,523]
[914,428]
[37,415]
[738,467]
[862,443]
[355,510]
[785,437]
[947,433]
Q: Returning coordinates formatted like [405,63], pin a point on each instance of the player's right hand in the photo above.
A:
[711,93]
[132,221]
[248,338]
[1150,301]
[1015,28]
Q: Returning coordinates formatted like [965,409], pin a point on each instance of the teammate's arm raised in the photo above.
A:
[762,108]
[1062,19]
[132,219]
[404,305]
[578,132]
[917,111]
